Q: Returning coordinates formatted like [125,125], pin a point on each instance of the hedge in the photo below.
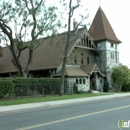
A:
[7,84]
[6,87]
[36,81]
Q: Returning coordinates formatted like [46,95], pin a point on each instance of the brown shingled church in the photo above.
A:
[90,59]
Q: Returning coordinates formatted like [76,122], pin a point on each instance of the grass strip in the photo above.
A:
[47,98]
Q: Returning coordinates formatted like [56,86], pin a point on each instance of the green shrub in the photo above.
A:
[51,85]
[6,87]
[89,91]
[75,89]
[125,88]
[106,86]
[80,92]
[35,81]
[25,81]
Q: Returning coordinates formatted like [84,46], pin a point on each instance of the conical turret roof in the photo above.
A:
[101,28]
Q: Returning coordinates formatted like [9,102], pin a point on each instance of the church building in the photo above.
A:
[90,60]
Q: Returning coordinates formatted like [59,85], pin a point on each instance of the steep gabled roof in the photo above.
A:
[73,71]
[101,28]
[90,68]
[46,56]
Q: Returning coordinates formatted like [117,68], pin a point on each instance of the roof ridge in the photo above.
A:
[101,28]
[101,12]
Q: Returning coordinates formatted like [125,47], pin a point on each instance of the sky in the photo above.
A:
[117,12]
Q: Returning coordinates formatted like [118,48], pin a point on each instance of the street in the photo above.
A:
[99,115]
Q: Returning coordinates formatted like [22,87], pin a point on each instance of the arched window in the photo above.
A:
[77,81]
[89,43]
[84,81]
[81,58]
[80,81]
[75,59]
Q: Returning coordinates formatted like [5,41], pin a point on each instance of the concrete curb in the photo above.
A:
[30,106]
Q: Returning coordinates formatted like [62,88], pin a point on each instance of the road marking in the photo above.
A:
[71,118]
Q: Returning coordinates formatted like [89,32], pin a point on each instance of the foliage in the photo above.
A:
[6,87]
[121,75]
[35,81]
[51,85]
[75,89]
[26,81]
[125,87]
[106,86]
[80,92]
[22,22]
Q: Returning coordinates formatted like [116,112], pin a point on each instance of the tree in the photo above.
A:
[0,51]
[22,23]
[121,75]
[70,14]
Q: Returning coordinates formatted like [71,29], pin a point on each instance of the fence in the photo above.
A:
[37,90]
[15,87]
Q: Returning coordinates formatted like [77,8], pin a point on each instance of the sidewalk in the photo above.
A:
[13,108]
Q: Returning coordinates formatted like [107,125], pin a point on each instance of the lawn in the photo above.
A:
[47,98]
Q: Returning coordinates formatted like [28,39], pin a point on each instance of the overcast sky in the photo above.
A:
[117,12]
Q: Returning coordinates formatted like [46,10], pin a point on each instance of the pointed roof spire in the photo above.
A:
[101,28]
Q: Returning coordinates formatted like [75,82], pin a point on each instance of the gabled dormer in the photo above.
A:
[85,41]
[83,51]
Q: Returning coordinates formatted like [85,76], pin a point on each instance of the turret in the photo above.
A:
[106,42]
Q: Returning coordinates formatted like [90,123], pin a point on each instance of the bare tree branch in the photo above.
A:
[6,29]
[38,5]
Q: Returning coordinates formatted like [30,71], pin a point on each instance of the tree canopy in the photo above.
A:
[22,22]
[121,75]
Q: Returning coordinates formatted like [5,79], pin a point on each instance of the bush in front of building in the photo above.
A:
[35,81]
[6,87]
[125,88]
[50,85]
[24,86]
[106,86]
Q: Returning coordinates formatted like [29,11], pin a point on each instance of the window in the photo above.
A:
[89,43]
[75,59]
[77,81]
[80,81]
[83,81]
[81,58]
[112,55]
[87,60]
[112,45]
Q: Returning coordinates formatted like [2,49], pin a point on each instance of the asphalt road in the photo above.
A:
[99,115]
